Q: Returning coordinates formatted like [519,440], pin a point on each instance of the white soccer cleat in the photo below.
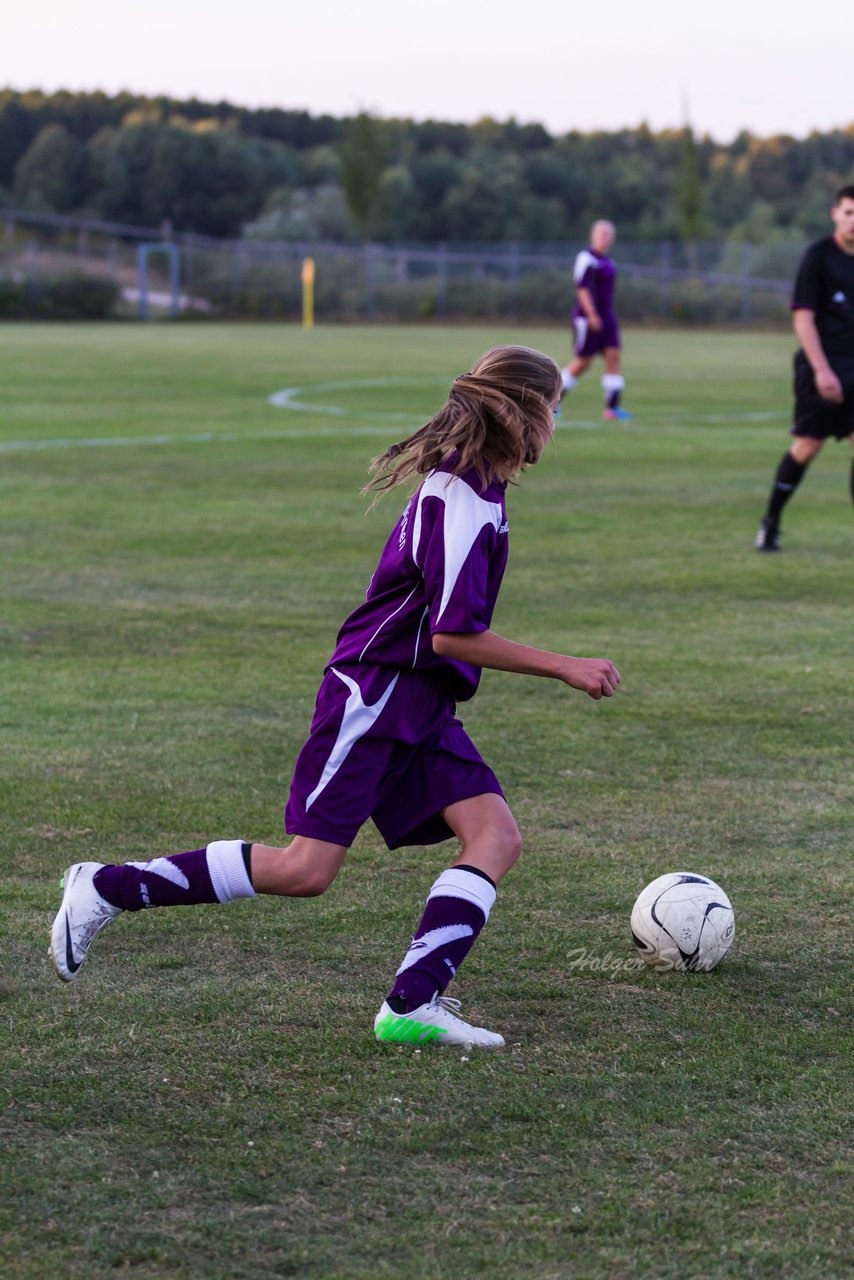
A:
[435,1021]
[82,914]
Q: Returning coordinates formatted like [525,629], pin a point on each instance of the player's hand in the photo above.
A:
[596,323]
[597,677]
[828,386]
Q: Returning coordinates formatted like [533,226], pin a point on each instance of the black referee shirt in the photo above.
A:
[825,285]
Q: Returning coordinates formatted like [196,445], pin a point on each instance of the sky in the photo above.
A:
[723,66]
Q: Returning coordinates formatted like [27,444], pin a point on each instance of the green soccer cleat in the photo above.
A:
[435,1021]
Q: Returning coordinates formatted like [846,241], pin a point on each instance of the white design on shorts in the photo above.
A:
[581,327]
[465,515]
[431,941]
[165,869]
[358,718]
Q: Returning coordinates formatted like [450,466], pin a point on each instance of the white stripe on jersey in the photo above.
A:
[583,262]
[465,515]
[358,718]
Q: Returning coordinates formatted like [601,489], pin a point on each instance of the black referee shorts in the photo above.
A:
[816,417]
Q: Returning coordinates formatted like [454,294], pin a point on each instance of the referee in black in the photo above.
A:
[823,317]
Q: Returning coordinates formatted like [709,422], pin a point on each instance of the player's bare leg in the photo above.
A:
[804,448]
[487,831]
[572,372]
[95,893]
[303,869]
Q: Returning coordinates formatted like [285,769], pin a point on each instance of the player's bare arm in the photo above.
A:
[597,677]
[585,298]
[827,384]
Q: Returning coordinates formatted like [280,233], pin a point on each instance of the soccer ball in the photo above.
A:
[683,921]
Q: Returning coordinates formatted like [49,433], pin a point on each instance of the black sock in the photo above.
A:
[246,850]
[476,871]
[789,475]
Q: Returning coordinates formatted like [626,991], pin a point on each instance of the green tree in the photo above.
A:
[213,167]
[302,213]
[51,170]
[18,127]
[689,189]
[399,211]
[363,159]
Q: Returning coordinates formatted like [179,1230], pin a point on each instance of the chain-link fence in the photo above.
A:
[45,261]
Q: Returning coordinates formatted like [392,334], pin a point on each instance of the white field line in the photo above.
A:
[290,398]
[196,437]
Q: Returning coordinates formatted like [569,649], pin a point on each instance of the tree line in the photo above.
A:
[224,170]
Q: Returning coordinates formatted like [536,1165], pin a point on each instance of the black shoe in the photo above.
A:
[768,537]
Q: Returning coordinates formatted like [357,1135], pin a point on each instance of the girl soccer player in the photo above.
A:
[385,742]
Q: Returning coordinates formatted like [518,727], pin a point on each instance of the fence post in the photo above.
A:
[666,276]
[188,269]
[370,283]
[237,274]
[307,277]
[33,282]
[747,290]
[442,280]
[142,273]
[514,279]
[174,281]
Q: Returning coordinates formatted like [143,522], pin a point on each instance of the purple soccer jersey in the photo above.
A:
[440,570]
[598,274]
[385,742]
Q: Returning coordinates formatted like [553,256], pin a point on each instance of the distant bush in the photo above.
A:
[547,294]
[68,298]
[78,298]
[13,300]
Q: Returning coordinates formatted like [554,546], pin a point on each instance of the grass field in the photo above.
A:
[207,1100]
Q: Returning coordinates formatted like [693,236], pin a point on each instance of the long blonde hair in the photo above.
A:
[497,419]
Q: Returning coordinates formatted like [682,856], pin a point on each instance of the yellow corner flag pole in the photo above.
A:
[308,293]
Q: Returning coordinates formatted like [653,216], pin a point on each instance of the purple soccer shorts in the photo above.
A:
[386,745]
[592,342]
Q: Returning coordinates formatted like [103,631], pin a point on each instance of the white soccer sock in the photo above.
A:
[612,386]
[569,380]
[227,870]
[458,883]
[457,908]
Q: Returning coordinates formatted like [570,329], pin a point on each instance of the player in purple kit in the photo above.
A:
[597,330]
[385,742]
